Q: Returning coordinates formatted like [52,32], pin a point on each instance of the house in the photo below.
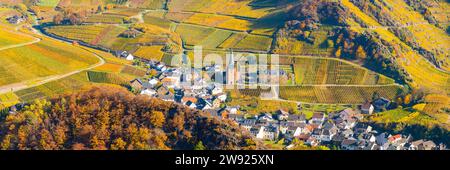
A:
[222,97]
[170,82]
[136,84]
[129,57]
[122,54]
[282,115]
[191,104]
[428,145]
[362,128]
[349,144]
[212,112]
[312,141]
[303,137]
[203,104]
[382,139]
[232,109]
[381,104]
[316,133]
[216,103]
[153,82]
[216,90]
[161,91]
[247,124]
[298,118]
[395,138]
[236,117]
[347,133]
[16,19]
[327,135]
[415,144]
[256,130]
[161,67]
[268,133]
[148,92]
[266,118]
[337,139]
[347,113]
[186,99]
[168,98]
[371,146]
[367,108]
[318,118]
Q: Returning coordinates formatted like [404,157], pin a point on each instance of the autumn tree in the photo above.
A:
[199,146]
[361,53]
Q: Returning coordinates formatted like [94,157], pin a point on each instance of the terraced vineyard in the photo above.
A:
[422,72]
[150,52]
[9,38]
[66,85]
[313,71]
[105,18]
[42,59]
[337,94]
[87,33]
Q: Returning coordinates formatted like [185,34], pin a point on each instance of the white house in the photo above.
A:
[222,97]
[130,57]
[367,108]
[153,82]
[216,90]
[149,92]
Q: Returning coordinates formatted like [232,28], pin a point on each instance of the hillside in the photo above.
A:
[40,58]
[124,121]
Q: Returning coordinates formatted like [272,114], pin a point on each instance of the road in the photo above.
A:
[42,80]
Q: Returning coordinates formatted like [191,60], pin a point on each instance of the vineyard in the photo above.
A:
[46,58]
[337,94]
[94,34]
[105,18]
[311,71]
[219,21]
[8,38]
[69,84]
[150,52]
[226,7]
[134,71]
[422,72]
[110,78]
[8,99]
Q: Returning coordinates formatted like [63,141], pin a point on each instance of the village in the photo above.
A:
[340,130]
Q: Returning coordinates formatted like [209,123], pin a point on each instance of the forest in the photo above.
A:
[110,117]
